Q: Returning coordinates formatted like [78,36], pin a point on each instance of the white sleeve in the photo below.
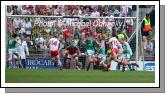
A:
[132,22]
[110,39]
[119,44]
[30,25]
[26,48]
[58,41]
[49,41]
[151,46]
[130,50]
[31,42]
[145,46]
[36,39]
[42,40]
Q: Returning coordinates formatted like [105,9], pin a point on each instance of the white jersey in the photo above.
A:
[54,44]
[114,42]
[22,49]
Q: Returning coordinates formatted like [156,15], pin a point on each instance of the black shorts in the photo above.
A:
[145,33]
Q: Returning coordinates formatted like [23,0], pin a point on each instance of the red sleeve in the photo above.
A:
[76,49]
[89,30]
[67,48]
[82,30]
[65,34]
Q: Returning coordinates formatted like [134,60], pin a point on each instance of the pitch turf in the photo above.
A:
[74,76]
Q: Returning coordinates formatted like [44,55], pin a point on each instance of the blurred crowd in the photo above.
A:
[72,10]
[38,35]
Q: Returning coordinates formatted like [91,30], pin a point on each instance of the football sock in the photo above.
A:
[129,66]
[88,66]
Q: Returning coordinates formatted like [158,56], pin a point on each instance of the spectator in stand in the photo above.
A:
[128,24]
[77,33]
[22,27]
[39,42]
[95,13]
[31,9]
[130,10]
[24,10]
[41,9]
[67,35]
[16,24]
[15,10]
[75,12]
[79,8]
[146,28]
[29,42]
[124,10]
[110,23]
[49,25]
[86,31]
[9,10]
[55,10]
[148,48]
[10,26]
[28,27]
[116,11]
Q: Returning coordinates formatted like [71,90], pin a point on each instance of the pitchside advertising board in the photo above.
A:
[36,63]
[146,65]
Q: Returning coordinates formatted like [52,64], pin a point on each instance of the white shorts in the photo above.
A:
[127,57]
[90,52]
[11,52]
[71,56]
[102,56]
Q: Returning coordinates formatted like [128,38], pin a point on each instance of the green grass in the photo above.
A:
[74,76]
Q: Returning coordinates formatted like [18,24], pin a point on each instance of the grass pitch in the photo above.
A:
[75,76]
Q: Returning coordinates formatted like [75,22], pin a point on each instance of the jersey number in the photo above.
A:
[114,42]
[53,42]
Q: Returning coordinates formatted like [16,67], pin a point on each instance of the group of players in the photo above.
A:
[119,51]
[17,52]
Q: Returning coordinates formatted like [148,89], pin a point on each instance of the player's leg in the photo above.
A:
[96,61]
[65,58]
[52,53]
[103,59]
[59,62]
[77,62]
[19,62]
[133,66]
[89,62]
[90,58]
[128,62]
[54,61]
[68,61]
[110,58]
[121,60]
[124,65]
[15,60]
[118,60]
[10,59]
[23,62]
[58,59]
